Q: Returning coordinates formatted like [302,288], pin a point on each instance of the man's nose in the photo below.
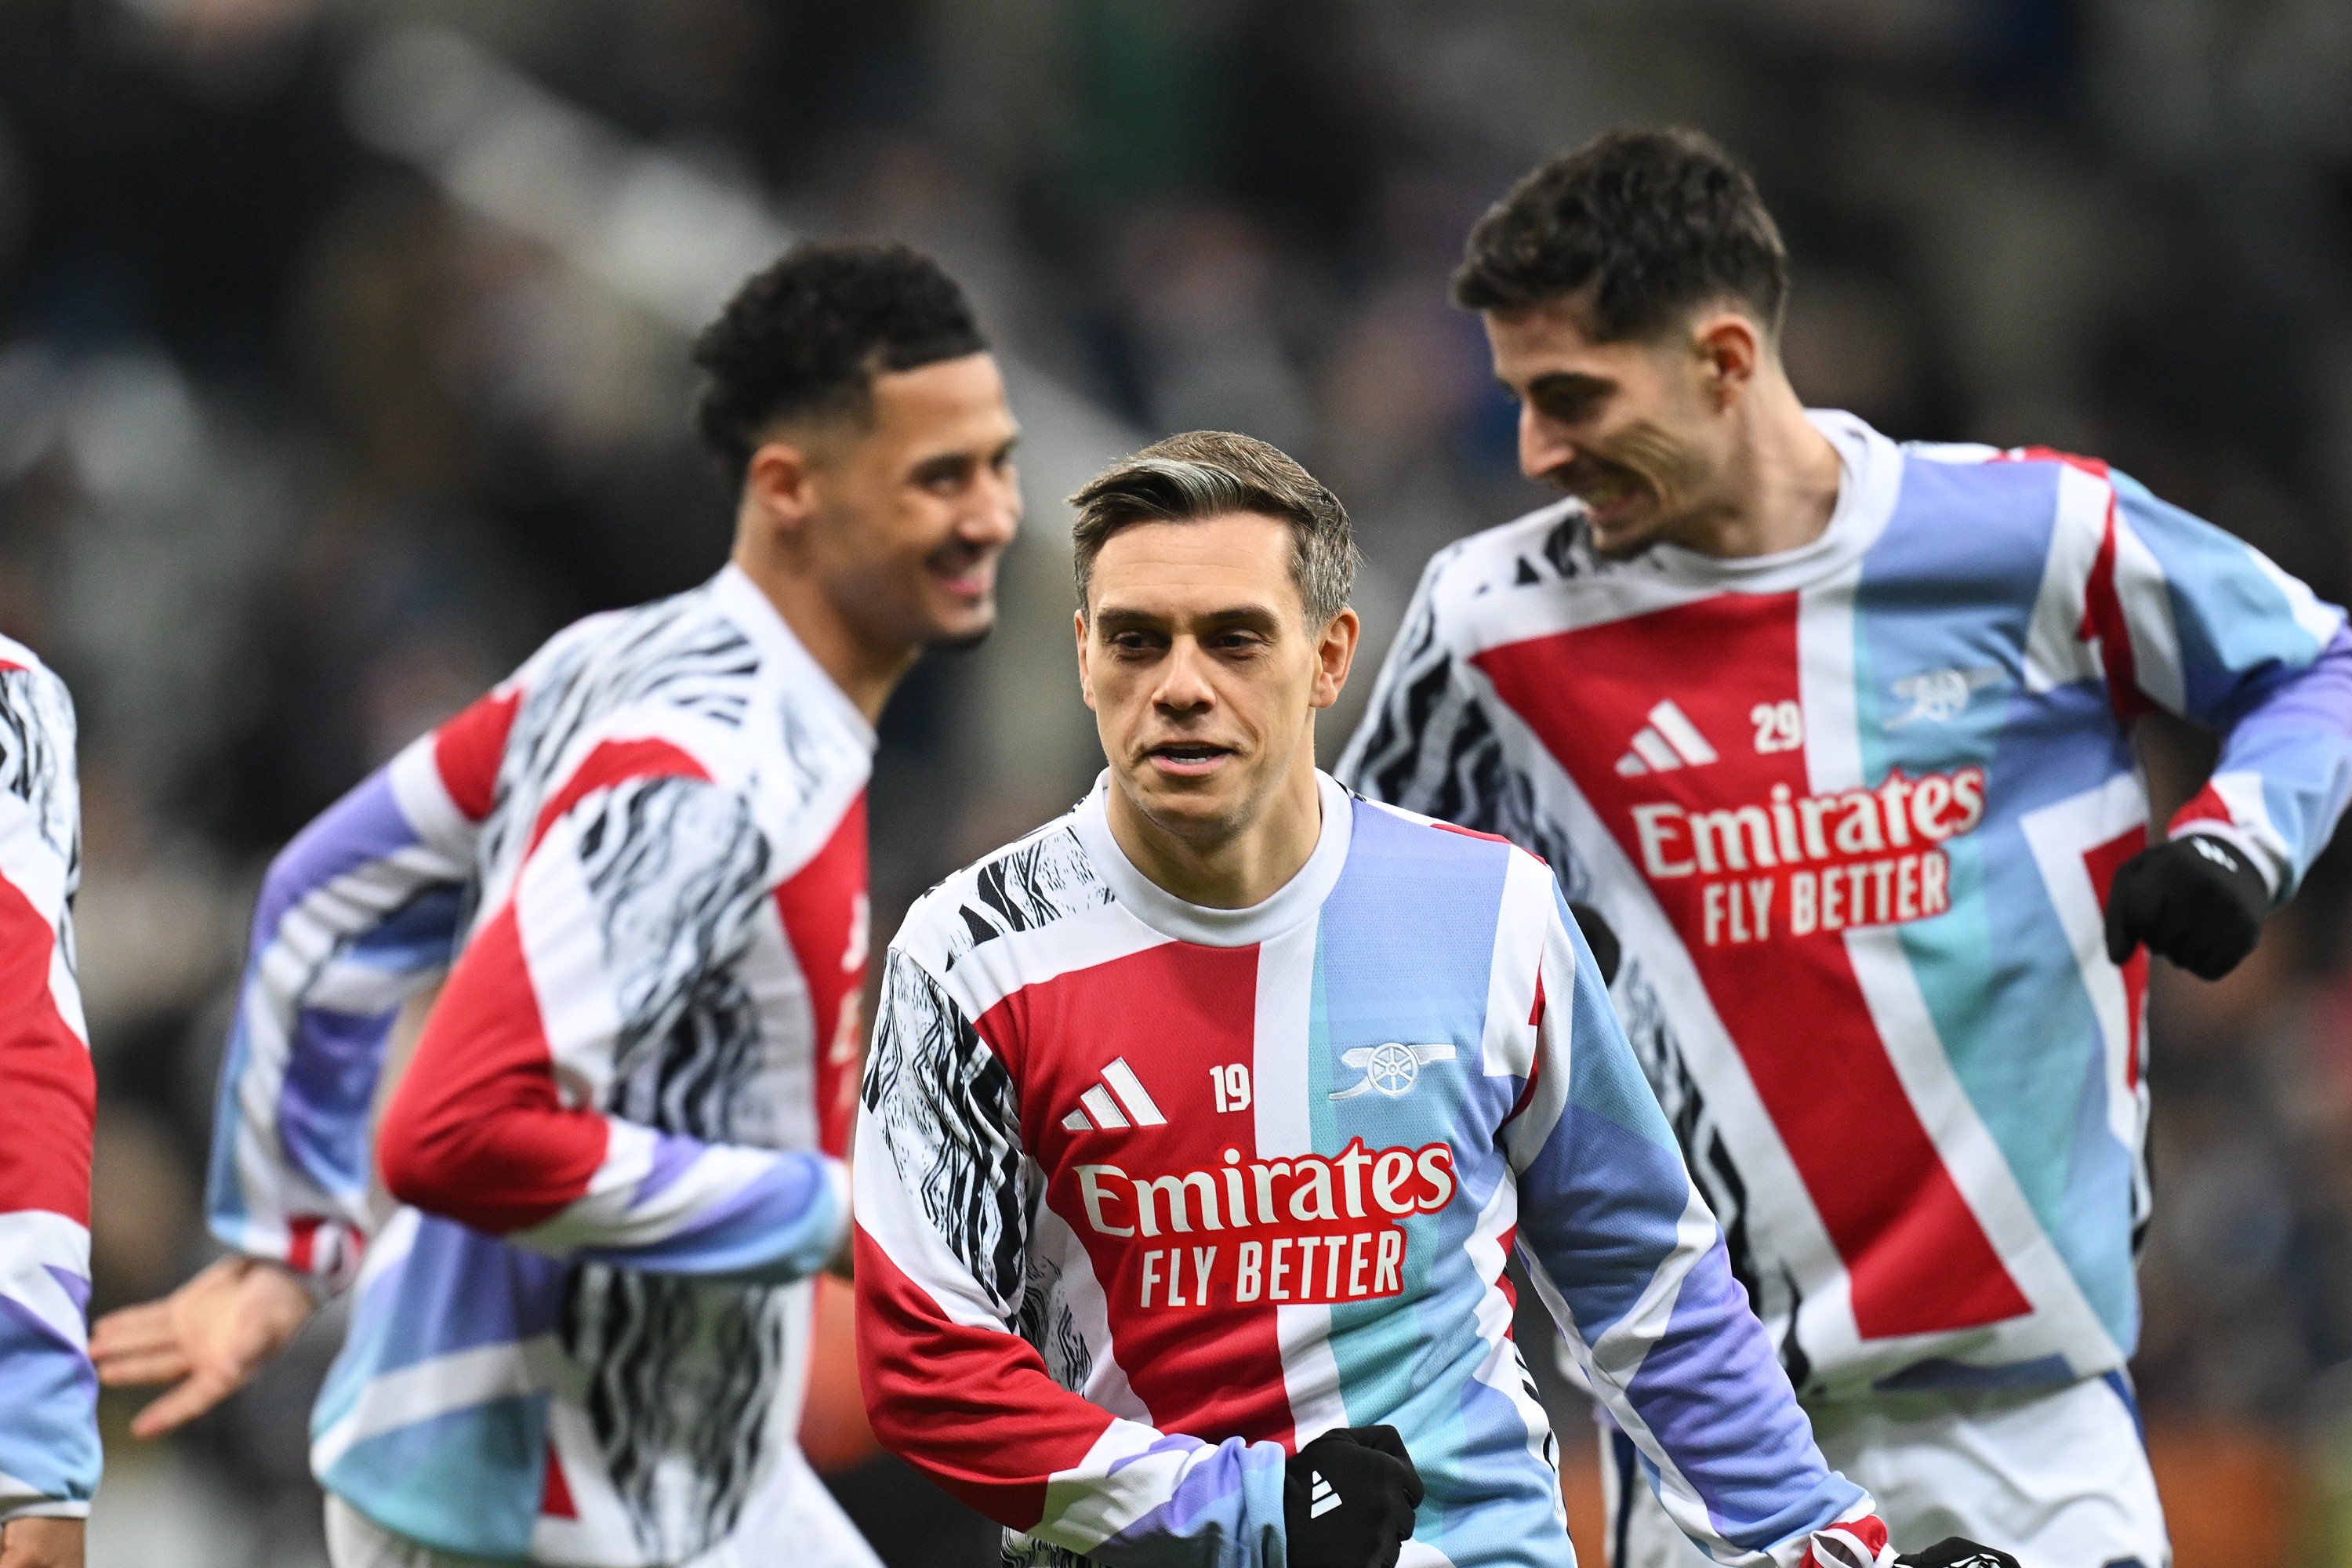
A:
[1183,681]
[996,517]
[1541,446]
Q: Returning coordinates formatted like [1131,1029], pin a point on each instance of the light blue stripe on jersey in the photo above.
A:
[1423,981]
[1983,968]
[49,1441]
[470,1482]
[781,1226]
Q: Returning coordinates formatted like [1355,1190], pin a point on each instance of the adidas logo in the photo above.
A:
[1668,742]
[1320,1498]
[1119,1100]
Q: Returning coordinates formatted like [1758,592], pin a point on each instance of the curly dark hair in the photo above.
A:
[1653,223]
[809,334]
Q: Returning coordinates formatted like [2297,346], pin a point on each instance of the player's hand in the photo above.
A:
[1348,1500]
[1955,1552]
[206,1339]
[41,1543]
[2196,900]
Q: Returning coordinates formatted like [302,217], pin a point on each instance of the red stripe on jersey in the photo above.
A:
[2206,805]
[826,919]
[555,1492]
[973,1409]
[477,1131]
[302,1242]
[2103,861]
[467,749]
[1916,1258]
[49,1093]
[1469,832]
[2105,624]
[616,762]
[1175,1014]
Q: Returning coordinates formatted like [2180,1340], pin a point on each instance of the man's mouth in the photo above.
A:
[966,574]
[1188,759]
[1609,497]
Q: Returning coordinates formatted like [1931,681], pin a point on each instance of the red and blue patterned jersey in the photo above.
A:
[579,1332]
[48,1395]
[1151,1194]
[1854,811]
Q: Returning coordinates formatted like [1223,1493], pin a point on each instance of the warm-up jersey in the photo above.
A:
[48,1395]
[583,1339]
[1149,1194]
[1854,811]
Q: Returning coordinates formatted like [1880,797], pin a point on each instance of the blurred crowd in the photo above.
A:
[342,360]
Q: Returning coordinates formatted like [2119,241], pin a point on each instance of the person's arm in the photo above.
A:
[2190,620]
[640,894]
[944,1211]
[49,1424]
[1625,1254]
[355,917]
[358,911]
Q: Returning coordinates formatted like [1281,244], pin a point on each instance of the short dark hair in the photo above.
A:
[1212,473]
[1654,223]
[809,334]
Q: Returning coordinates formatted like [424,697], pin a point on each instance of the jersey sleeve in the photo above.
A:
[48,1395]
[944,1200]
[355,915]
[2192,620]
[1629,1261]
[640,891]
[1426,743]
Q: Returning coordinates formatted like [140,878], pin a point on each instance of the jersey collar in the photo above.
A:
[1870,473]
[1164,912]
[782,651]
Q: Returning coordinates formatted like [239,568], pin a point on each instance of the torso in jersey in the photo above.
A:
[1854,811]
[691,967]
[1236,1177]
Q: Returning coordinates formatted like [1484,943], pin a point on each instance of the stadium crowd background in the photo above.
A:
[342,360]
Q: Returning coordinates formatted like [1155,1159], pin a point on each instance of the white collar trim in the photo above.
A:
[1292,903]
[1870,475]
[734,592]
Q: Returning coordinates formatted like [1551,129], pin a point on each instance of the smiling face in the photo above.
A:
[1640,429]
[1196,655]
[915,504]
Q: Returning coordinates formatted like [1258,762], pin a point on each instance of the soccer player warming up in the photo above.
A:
[580,1337]
[49,1399]
[1835,733]
[1199,1122]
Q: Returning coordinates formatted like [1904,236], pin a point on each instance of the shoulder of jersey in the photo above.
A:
[682,659]
[47,686]
[1036,881]
[1544,548]
[1449,840]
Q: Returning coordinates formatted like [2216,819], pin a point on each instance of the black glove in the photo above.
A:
[2195,899]
[1348,1500]
[1603,942]
[1957,1552]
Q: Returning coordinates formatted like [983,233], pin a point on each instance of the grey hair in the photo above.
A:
[1214,473]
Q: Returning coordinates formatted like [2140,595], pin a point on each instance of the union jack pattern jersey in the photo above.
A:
[583,1339]
[48,1395]
[1854,811]
[1151,1194]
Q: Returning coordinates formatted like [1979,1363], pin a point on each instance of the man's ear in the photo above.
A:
[780,486]
[1730,347]
[1085,674]
[1335,655]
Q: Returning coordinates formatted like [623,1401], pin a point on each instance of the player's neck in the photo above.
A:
[1782,487]
[867,672]
[1234,870]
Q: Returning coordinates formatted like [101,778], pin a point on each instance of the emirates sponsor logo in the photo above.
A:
[1816,862]
[1296,1244]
